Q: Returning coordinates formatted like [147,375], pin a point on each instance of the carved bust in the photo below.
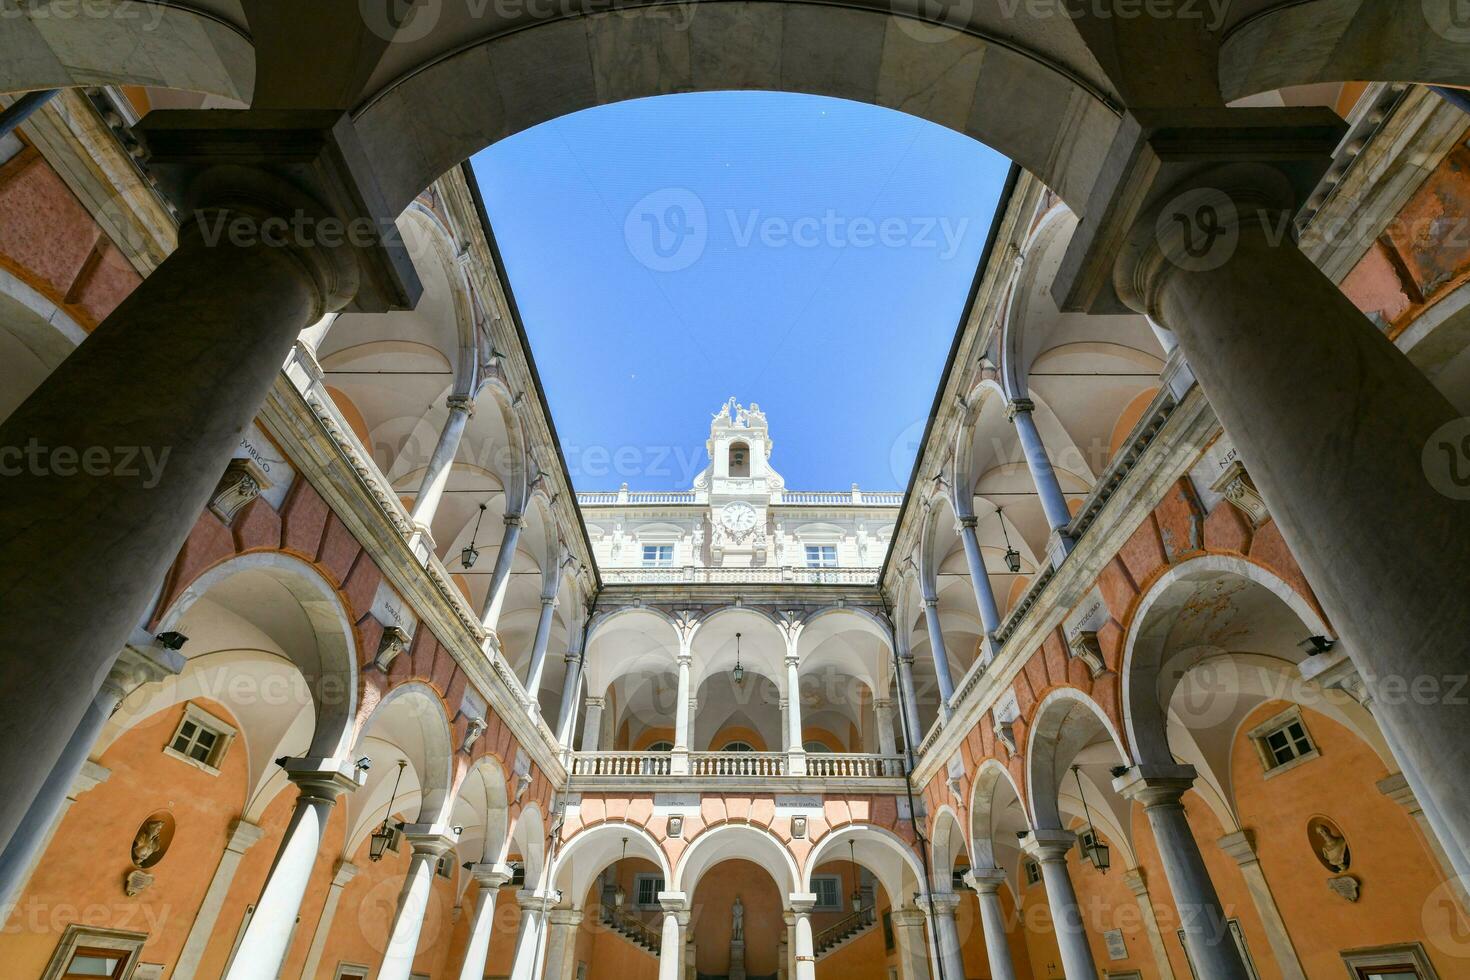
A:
[148,841]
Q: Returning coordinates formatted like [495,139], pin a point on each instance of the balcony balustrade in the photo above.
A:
[723,770]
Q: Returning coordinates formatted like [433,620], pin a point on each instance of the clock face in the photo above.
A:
[738,517]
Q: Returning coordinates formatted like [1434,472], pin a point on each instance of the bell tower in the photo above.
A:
[741,484]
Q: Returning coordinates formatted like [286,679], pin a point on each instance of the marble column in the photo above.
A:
[490,878]
[909,696]
[264,944]
[561,943]
[980,580]
[344,872]
[571,693]
[671,944]
[131,433]
[143,662]
[683,715]
[883,719]
[1242,848]
[1256,319]
[1136,883]
[941,656]
[993,922]
[940,907]
[795,753]
[592,724]
[803,956]
[538,652]
[526,962]
[913,948]
[436,474]
[1049,849]
[1160,789]
[430,842]
[1053,501]
[500,577]
[243,835]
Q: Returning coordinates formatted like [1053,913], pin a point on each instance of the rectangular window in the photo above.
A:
[658,556]
[351,971]
[1405,962]
[86,953]
[96,963]
[821,556]
[646,889]
[828,889]
[201,739]
[1033,873]
[1283,742]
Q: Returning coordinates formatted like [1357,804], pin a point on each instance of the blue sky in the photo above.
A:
[808,254]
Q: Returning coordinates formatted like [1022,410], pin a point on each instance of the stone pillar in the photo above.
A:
[671,944]
[941,656]
[243,834]
[136,665]
[1396,787]
[133,430]
[804,958]
[1242,848]
[683,714]
[538,653]
[500,577]
[940,907]
[341,875]
[1133,878]
[883,718]
[490,878]
[592,725]
[1252,314]
[913,949]
[1160,789]
[571,693]
[264,944]
[1049,849]
[915,734]
[795,754]
[1053,502]
[993,922]
[561,943]
[980,579]
[430,842]
[436,474]
[531,940]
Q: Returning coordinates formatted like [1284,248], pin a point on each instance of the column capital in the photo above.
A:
[344,872]
[323,779]
[548,600]
[673,902]
[490,875]
[594,702]
[91,776]
[908,917]
[802,903]
[564,917]
[882,704]
[1155,785]
[513,520]
[536,901]
[1016,406]
[1136,883]
[944,903]
[142,663]
[461,403]
[435,839]
[1396,787]
[986,882]
[931,601]
[792,661]
[969,521]
[1048,845]
[1240,845]
[243,835]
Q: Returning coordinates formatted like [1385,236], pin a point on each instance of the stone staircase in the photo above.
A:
[631,928]
[844,931]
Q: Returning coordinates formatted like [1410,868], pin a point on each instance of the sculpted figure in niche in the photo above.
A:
[737,920]
[147,842]
[1330,845]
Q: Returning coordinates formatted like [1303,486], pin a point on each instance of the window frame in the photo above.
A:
[350,971]
[638,880]
[1032,870]
[1367,958]
[79,938]
[1259,737]
[820,561]
[836,883]
[658,547]
[202,720]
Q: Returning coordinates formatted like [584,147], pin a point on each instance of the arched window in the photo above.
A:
[738,746]
[814,746]
[663,745]
[739,459]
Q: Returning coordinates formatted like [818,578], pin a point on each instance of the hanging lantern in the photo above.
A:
[739,672]
[1013,557]
[857,894]
[620,896]
[469,554]
[383,836]
[1092,846]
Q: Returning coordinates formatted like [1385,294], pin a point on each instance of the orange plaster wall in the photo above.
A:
[1043,955]
[1108,904]
[972,937]
[1399,879]
[710,919]
[80,877]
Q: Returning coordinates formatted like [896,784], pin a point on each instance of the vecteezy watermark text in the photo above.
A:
[37,459]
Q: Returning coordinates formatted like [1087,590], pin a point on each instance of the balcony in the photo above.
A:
[760,575]
[826,772]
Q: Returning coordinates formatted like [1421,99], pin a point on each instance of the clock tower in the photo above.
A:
[740,485]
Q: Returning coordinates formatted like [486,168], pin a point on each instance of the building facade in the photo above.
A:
[321,668]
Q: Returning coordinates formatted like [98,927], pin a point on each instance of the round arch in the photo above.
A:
[737,841]
[527,838]
[993,783]
[592,851]
[1066,722]
[482,808]
[411,719]
[878,849]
